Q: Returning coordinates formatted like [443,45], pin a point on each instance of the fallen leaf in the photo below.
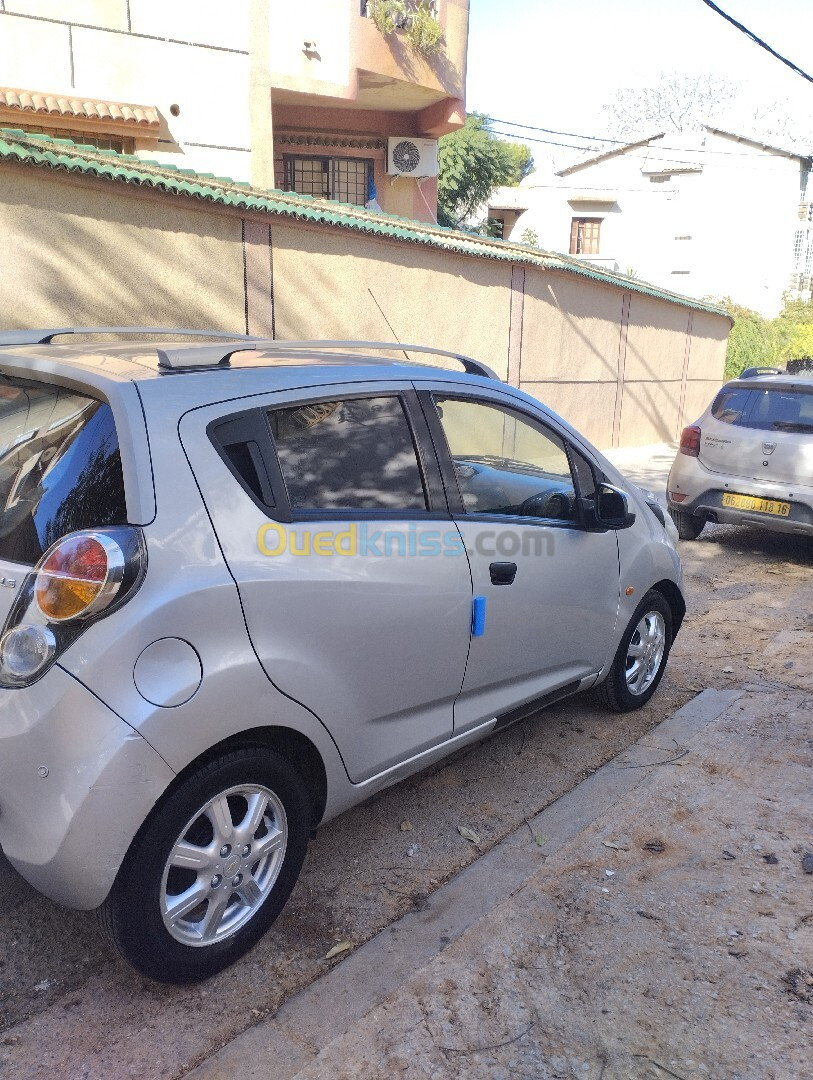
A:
[343,946]
[406,826]
[616,847]
[540,840]
[468,834]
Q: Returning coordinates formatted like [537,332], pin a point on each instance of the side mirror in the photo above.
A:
[613,508]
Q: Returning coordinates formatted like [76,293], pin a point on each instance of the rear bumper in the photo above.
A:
[704,490]
[709,507]
[76,783]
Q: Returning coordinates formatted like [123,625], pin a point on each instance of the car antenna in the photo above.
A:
[387,321]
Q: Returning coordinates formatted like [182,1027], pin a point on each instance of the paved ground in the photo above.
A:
[68,1011]
[654,922]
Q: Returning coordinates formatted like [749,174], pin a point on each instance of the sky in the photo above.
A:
[554,63]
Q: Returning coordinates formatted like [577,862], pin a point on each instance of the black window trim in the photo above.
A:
[446,463]
[258,428]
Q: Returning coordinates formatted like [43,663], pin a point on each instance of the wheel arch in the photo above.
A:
[288,743]
[674,598]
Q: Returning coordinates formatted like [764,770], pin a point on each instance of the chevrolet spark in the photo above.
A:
[245,584]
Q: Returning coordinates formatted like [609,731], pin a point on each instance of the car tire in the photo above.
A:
[199,843]
[689,526]
[641,658]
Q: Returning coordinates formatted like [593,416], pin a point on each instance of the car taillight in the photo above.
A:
[79,578]
[690,441]
[81,574]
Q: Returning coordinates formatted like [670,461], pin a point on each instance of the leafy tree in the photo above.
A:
[472,162]
[755,341]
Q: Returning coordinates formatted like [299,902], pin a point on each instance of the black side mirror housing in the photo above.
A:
[612,508]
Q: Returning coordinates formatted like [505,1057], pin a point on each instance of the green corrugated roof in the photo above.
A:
[44,151]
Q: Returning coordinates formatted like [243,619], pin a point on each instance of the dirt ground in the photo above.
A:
[68,1010]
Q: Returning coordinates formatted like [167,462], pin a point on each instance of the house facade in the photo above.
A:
[310,97]
[710,214]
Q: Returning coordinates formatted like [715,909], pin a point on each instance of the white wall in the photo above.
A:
[738,206]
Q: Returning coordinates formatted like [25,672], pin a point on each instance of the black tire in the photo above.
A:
[615,692]
[689,526]
[234,911]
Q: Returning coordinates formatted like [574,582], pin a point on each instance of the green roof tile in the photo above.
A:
[43,151]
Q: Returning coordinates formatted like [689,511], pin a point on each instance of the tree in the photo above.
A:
[687,102]
[675,103]
[472,162]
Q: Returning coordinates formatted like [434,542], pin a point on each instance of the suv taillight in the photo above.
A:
[79,578]
[690,441]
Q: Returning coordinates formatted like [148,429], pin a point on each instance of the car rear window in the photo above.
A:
[782,410]
[768,409]
[60,468]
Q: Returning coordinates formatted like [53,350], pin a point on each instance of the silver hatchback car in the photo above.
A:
[246,584]
[749,458]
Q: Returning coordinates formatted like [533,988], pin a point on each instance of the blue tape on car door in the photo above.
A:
[478,616]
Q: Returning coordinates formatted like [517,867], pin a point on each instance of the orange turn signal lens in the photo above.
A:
[81,573]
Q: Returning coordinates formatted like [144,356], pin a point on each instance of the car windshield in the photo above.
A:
[60,468]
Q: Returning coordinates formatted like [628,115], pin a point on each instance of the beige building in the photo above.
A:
[307,96]
[89,239]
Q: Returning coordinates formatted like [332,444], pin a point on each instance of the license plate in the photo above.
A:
[762,506]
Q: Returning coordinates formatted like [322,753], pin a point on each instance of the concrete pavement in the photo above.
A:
[635,928]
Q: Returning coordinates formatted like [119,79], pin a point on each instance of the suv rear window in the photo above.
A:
[768,409]
[60,468]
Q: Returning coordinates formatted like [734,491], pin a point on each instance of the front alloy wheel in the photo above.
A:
[211,868]
[645,652]
[641,657]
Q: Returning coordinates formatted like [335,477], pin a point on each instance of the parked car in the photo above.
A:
[749,458]
[246,584]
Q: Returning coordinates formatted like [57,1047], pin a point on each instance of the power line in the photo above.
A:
[758,40]
[551,131]
[650,145]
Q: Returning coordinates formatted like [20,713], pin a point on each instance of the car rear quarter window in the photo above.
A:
[730,405]
[348,454]
[60,467]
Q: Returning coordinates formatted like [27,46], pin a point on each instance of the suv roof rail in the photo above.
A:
[751,372]
[216,355]
[45,336]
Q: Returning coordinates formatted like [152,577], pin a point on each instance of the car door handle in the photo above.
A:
[503,573]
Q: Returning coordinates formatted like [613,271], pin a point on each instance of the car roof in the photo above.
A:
[278,366]
[774,382]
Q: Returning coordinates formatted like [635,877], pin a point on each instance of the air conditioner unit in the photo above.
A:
[412,157]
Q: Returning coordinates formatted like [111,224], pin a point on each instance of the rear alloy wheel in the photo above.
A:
[689,526]
[641,657]
[211,868]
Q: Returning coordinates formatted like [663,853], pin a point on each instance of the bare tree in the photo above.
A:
[675,103]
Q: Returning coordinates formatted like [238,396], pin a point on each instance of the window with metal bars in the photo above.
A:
[584,236]
[341,178]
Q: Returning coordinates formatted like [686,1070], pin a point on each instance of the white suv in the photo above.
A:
[749,458]
[245,584]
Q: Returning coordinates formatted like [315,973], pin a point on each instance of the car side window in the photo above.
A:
[506,463]
[348,454]
[730,405]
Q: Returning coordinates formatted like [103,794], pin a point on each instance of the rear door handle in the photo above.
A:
[503,573]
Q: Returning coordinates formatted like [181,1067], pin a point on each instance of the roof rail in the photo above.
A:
[216,355]
[44,337]
[751,372]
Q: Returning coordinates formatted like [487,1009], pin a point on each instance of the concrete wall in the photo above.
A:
[625,369]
